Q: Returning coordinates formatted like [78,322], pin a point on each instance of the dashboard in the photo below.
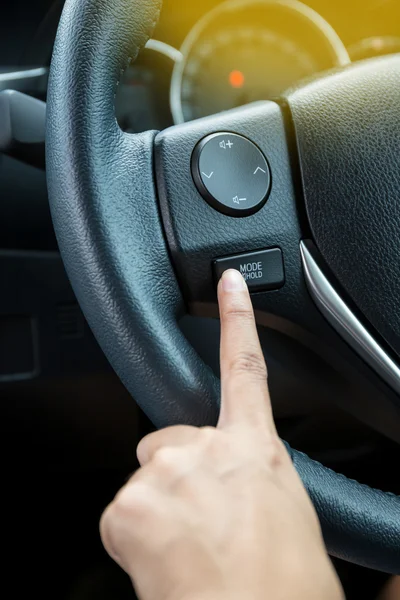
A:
[212,55]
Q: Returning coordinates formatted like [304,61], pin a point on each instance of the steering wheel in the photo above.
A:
[140,223]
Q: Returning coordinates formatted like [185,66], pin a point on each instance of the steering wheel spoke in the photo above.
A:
[244,162]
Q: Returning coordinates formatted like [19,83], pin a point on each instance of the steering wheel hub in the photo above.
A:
[348,135]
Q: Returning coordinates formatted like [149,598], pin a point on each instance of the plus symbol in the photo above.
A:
[229,144]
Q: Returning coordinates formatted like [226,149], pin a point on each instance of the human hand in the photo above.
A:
[221,513]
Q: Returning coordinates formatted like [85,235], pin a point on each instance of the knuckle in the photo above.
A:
[212,440]
[219,443]
[107,531]
[208,435]
[125,519]
[132,502]
[165,461]
[276,452]
[106,524]
[249,363]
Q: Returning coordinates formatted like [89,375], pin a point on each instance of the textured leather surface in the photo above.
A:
[106,217]
[103,200]
[360,524]
[198,234]
[348,134]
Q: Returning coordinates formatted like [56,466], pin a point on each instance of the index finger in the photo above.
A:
[245,400]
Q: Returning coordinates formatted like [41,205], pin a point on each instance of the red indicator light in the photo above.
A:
[236,79]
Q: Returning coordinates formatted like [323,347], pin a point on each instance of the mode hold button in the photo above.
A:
[262,270]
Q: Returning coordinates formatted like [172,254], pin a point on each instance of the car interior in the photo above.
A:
[143,151]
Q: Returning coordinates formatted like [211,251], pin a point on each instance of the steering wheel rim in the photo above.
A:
[113,241]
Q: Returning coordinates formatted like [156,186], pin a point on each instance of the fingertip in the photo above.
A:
[233,294]
[232,281]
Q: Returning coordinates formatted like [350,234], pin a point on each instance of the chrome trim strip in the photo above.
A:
[165,49]
[346,323]
[26,74]
[25,80]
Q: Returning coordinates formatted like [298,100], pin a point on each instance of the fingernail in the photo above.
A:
[232,281]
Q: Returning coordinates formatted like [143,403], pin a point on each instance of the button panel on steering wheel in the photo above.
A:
[231,173]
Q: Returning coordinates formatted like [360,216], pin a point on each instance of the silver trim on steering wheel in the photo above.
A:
[346,323]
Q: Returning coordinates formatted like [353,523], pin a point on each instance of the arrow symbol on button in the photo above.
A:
[259,169]
[208,176]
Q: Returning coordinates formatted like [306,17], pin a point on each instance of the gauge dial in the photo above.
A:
[249,50]
[238,66]
[374,46]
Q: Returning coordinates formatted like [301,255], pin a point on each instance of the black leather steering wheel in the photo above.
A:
[138,240]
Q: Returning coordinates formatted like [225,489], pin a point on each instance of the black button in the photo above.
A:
[262,270]
[231,173]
